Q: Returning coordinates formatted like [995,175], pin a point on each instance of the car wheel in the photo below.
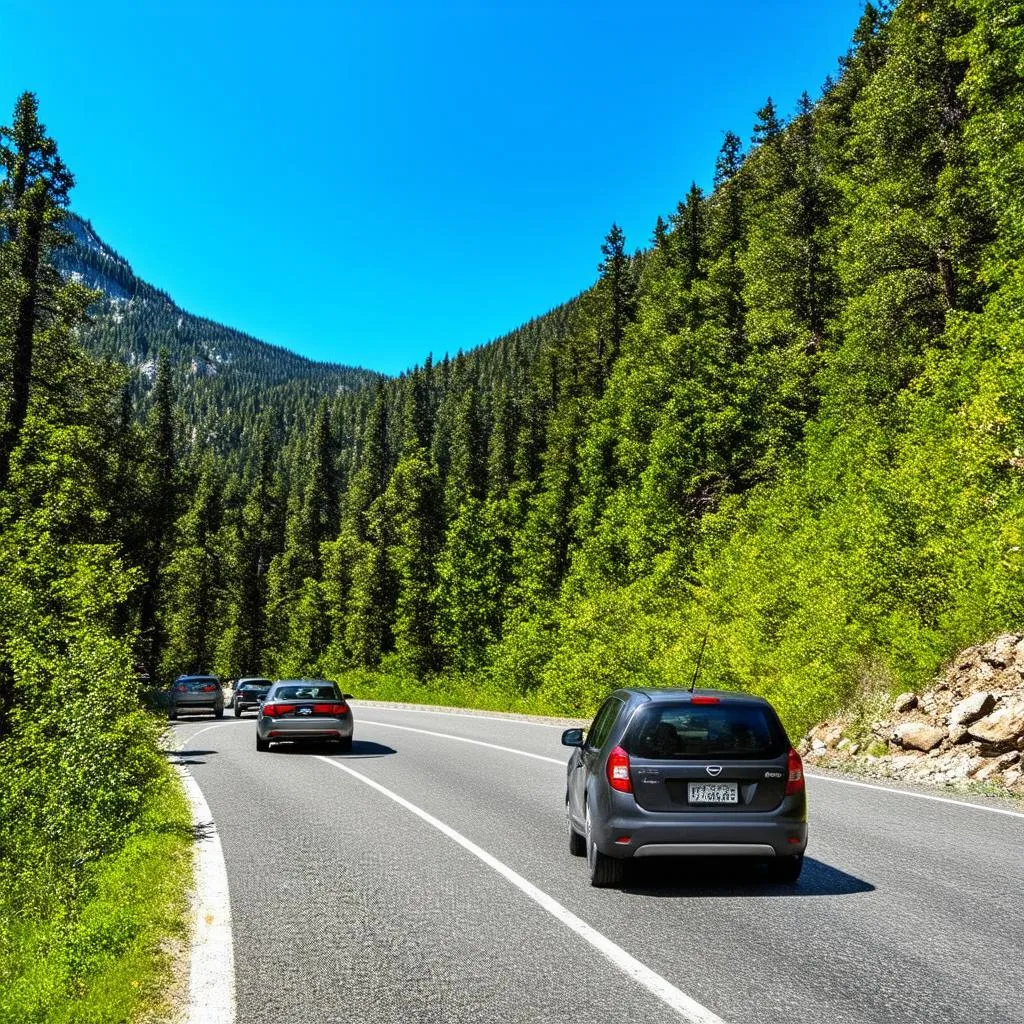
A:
[218,712]
[604,870]
[262,745]
[345,745]
[238,711]
[786,869]
[577,843]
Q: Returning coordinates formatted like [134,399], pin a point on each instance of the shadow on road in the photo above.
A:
[710,878]
[360,748]
[188,756]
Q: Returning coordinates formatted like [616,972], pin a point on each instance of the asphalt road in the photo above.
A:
[462,903]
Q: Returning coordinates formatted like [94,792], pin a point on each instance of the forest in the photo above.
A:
[790,422]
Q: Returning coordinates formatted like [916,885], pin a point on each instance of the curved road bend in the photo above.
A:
[350,906]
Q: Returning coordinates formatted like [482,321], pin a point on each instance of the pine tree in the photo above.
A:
[33,198]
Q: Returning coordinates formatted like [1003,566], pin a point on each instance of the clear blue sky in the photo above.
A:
[367,183]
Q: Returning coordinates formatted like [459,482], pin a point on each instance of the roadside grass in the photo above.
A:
[472,693]
[109,956]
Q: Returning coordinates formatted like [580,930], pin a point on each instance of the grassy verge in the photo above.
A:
[448,691]
[107,958]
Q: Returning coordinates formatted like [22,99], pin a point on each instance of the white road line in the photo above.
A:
[689,1009]
[463,739]
[211,981]
[919,796]
[468,713]
[206,728]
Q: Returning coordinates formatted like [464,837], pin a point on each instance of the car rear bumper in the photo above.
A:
[294,729]
[781,833]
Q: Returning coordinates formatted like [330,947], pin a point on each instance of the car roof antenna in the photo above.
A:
[700,658]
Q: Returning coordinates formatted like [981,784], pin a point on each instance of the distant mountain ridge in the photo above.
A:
[135,320]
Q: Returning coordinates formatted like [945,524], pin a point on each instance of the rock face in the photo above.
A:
[968,726]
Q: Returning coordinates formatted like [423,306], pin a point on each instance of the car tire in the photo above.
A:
[604,870]
[238,711]
[786,869]
[262,745]
[345,745]
[577,843]
[218,712]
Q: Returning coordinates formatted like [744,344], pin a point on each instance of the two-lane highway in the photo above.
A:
[425,876]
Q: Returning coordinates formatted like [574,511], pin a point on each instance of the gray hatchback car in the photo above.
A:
[297,710]
[196,693]
[675,773]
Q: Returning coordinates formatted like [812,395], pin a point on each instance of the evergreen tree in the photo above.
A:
[33,198]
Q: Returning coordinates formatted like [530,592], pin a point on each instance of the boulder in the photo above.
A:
[971,709]
[1003,727]
[918,736]
[905,702]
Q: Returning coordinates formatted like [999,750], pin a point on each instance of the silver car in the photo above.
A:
[196,693]
[311,710]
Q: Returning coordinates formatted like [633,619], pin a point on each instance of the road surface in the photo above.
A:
[425,877]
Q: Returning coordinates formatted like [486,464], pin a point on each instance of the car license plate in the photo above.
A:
[713,793]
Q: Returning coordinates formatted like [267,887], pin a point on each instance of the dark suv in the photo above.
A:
[249,693]
[675,773]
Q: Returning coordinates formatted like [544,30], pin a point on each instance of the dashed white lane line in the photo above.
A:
[918,796]
[463,739]
[211,981]
[689,1009]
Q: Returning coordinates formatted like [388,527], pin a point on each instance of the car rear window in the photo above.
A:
[255,686]
[694,731]
[324,692]
[198,685]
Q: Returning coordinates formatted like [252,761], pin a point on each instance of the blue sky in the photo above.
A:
[367,183]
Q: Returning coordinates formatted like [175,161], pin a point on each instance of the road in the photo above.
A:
[425,877]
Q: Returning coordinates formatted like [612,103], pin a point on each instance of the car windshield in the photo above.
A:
[726,730]
[323,691]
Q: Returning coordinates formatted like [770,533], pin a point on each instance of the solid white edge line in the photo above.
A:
[463,739]
[689,1009]
[211,979]
[809,775]
[918,796]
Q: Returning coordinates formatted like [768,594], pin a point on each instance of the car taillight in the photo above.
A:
[618,771]
[182,689]
[274,710]
[795,773]
[705,700]
[209,689]
[330,709]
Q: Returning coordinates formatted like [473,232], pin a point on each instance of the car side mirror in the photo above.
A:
[572,738]
[346,696]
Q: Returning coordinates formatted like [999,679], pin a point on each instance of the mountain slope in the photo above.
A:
[217,368]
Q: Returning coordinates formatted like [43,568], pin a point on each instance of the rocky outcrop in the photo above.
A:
[968,726]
